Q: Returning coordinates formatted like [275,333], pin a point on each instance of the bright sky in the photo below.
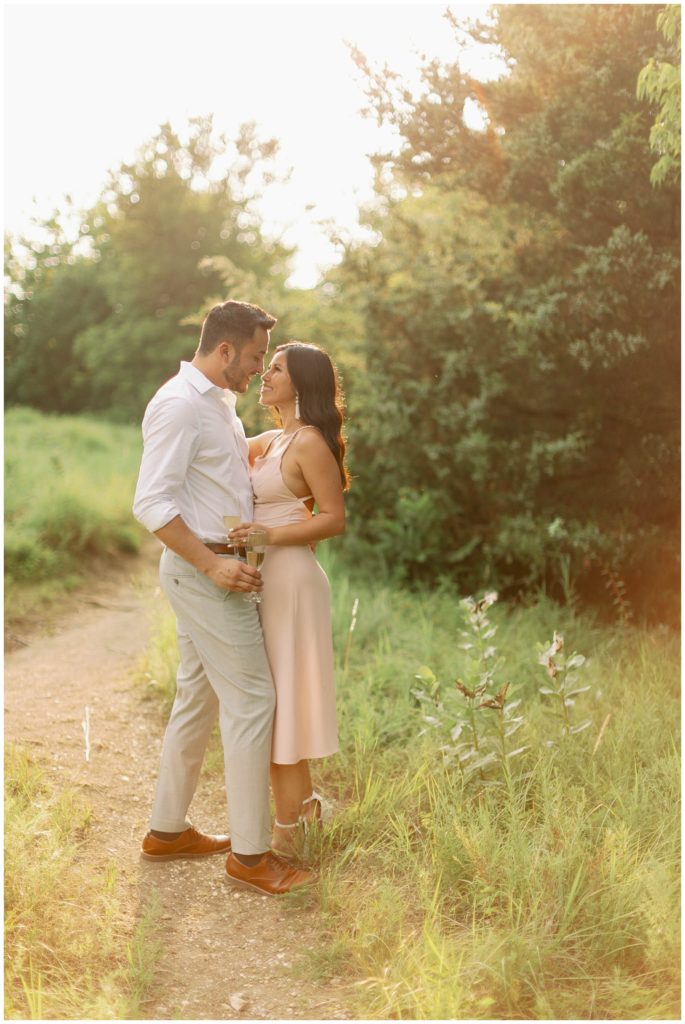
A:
[87,84]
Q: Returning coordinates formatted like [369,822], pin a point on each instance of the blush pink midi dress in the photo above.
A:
[296,621]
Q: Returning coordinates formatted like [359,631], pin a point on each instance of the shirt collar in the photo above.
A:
[230,398]
[200,382]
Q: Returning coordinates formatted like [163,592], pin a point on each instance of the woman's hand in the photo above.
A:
[238,536]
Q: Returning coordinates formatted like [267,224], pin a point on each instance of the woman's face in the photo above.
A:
[277,388]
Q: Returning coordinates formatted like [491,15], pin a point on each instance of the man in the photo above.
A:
[194,467]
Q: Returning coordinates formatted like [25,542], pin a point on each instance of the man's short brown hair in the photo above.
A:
[232,321]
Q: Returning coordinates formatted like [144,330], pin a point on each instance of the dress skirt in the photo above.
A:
[296,621]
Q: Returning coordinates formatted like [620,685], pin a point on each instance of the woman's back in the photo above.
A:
[274,502]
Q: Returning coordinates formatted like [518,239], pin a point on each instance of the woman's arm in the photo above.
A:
[319,469]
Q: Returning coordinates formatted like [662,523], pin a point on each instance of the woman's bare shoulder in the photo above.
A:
[310,442]
[309,436]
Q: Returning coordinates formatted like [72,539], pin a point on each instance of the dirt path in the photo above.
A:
[219,942]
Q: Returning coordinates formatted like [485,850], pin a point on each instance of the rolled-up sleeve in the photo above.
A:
[170,439]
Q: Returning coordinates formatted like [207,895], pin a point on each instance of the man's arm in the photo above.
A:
[171,437]
[170,440]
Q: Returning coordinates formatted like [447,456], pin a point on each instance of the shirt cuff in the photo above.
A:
[154,515]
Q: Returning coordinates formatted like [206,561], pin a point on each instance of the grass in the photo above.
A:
[549,892]
[68,952]
[68,492]
[544,888]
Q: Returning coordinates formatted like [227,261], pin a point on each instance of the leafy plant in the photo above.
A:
[563,674]
[476,743]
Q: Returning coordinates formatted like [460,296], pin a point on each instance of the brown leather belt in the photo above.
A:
[220,549]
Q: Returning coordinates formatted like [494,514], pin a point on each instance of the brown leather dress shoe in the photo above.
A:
[190,843]
[270,875]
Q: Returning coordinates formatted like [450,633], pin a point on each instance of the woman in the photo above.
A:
[293,469]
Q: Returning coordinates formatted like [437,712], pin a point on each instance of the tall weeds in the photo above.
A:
[553,893]
[541,885]
[68,954]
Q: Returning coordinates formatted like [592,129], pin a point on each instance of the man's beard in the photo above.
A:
[236,379]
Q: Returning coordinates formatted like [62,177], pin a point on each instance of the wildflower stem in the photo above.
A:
[350,631]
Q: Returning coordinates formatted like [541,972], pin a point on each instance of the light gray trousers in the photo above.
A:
[223,673]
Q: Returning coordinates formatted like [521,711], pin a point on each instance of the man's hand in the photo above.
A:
[231,574]
[226,573]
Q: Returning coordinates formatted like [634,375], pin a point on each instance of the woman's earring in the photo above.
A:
[297,406]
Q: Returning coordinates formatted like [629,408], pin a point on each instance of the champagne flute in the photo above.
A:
[255,550]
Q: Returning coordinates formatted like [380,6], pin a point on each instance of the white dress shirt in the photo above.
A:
[194,458]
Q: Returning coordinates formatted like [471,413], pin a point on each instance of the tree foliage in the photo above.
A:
[659,82]
[108,317]
[521,315]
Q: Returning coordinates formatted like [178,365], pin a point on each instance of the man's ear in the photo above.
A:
[226,351]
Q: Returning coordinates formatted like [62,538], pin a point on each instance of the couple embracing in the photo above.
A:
[263,670]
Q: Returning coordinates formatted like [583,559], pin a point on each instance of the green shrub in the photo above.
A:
[69,485]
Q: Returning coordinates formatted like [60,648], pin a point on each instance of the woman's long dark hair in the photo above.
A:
[315,379]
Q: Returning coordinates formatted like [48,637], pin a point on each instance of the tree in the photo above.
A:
[52,296]
[148,252]
[659,82]
[521,311]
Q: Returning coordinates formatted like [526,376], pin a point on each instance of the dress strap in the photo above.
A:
[294,434]
[279,435]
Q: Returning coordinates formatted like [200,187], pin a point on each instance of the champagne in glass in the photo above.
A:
[255,550]
[255,558]
[230,523]
[231,520]
[232,517]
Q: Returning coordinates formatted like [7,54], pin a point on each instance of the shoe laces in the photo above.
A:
[280,863]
